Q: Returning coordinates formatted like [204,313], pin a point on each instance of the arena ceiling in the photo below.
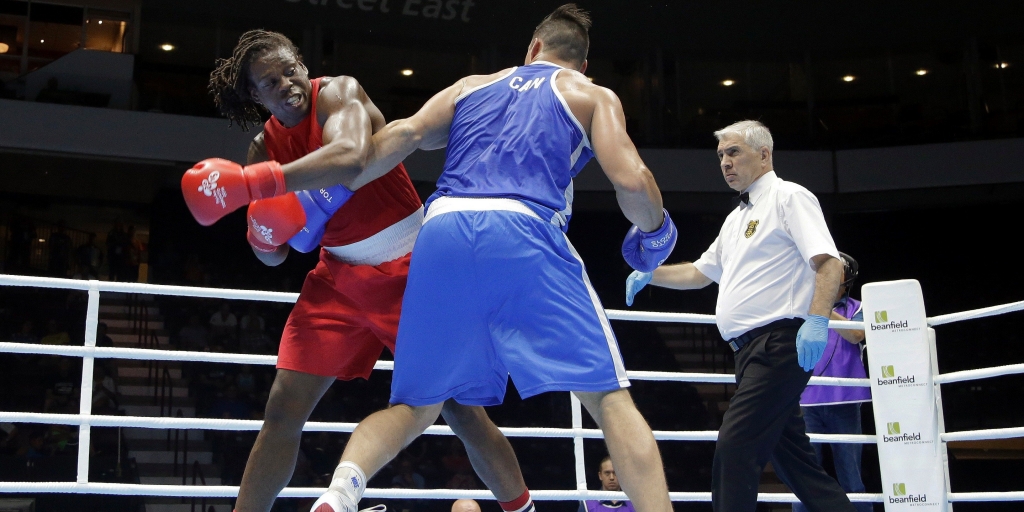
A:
[739,29]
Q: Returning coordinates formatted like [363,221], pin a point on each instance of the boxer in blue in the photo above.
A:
[495,288]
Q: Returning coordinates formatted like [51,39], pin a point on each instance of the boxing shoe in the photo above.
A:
[333,501]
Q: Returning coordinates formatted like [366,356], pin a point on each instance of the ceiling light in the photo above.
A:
[727,83]
[4,47]
[406,72]
[921,72]
[42,40]
[167,47]
[100,22]
[849,78]
[1002,65]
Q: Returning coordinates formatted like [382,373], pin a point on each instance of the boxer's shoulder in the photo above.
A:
[257,149]
[474,81]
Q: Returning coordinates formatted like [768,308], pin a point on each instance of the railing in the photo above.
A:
[163,391]
[197,471]
[184,449]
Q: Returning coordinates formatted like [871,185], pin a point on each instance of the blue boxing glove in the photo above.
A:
[319,206]
[811,340]
[646,251]
[634,283]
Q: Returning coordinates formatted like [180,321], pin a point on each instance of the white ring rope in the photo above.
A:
[175,423]
[148,289]
[982,373]
[85,419]
[614,314]
[146,354]
[227,491]
[979,435]
[976,313]
[236,294]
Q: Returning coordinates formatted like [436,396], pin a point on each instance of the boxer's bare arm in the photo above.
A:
[426,129]
[258,153]
[257,150]
[346,138]
[599,111]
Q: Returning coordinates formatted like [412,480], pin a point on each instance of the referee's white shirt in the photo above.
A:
[761,259]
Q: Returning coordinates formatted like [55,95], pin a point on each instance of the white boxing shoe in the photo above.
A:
[333,501]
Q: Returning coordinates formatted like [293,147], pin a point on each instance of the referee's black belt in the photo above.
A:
[740,341]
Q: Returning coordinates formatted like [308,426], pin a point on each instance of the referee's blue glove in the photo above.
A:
[634,283]
[811,340]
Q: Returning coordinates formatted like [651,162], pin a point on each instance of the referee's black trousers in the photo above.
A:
[763,423]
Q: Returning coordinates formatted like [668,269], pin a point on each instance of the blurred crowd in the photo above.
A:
[32,247]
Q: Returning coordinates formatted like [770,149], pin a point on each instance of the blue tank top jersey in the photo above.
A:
[516,138]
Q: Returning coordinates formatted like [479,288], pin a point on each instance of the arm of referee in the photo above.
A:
[828,273]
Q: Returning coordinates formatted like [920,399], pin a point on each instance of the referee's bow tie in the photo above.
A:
[743,198]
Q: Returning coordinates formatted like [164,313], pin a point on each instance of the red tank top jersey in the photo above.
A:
[377,205]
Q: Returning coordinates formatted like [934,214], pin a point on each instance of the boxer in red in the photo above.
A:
[349,306]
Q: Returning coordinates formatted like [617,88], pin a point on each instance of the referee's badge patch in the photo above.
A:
[751,228]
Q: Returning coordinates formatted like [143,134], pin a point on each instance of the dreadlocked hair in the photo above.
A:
[565,33]
[229,81]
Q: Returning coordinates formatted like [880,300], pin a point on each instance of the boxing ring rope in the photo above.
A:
[89,352]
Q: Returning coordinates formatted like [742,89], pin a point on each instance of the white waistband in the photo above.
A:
[389,244]
[476,204]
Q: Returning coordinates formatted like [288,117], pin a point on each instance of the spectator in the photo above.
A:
[609,482]
[464,479]
[23,233]
[194,335]
[10,435]
[117,256]
[36,447]
[465,505]
[104,392]
[26,334]
[223,325]
[62,393]
[88,259]
[55,335]
[102,338]
[230,406]
[193,272]
[407,477]
[456,460]
[252,337]
[246,380]
[60,437]
[60,251]
[133,255]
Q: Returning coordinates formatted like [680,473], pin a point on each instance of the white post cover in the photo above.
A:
[906,418]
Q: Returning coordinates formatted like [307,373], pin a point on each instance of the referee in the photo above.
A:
[778,273]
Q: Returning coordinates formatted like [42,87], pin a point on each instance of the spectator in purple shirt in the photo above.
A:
[609,482]
[836,409]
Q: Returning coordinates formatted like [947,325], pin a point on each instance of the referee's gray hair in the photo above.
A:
[755,134]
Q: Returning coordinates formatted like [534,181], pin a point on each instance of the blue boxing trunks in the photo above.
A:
[494,290]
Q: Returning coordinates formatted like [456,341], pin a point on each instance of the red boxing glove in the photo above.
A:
[216,187]
[272,222]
